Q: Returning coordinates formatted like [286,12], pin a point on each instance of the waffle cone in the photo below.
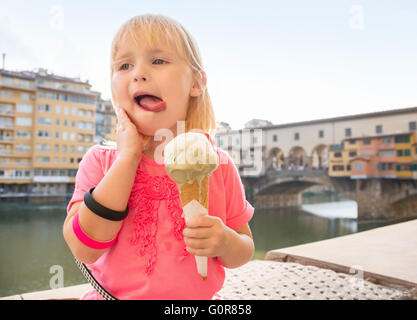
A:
[190,192]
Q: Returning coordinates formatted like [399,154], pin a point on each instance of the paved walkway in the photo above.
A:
[387,255]
[265,280]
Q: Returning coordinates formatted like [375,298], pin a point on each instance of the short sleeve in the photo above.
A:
[238,210]
[89,174]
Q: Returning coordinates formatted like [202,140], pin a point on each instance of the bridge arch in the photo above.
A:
[275,159]
[297,158]
[319,157]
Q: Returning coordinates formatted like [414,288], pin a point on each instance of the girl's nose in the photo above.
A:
[140,77]
[141,74]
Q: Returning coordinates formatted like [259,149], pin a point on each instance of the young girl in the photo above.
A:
[138,246]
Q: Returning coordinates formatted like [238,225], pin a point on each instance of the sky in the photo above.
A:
[282,61]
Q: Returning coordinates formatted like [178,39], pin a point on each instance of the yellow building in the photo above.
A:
[47,123]
[340,156]
[405,153]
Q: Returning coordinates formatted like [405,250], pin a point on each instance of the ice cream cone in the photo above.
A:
[189,192]
[189,160]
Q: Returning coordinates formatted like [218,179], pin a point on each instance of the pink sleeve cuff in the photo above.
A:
[86,240]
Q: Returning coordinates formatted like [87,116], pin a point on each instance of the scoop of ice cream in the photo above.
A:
[190,157]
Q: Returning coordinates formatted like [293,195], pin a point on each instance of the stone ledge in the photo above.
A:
[269,280]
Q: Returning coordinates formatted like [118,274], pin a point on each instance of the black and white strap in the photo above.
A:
[90,278]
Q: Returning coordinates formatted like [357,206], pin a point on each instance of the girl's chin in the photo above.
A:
[148,130]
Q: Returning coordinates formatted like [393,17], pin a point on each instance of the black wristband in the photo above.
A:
[101,211]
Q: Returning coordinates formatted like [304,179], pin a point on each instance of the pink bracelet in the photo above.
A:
[86,240]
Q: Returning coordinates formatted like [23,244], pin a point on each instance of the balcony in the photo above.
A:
[4,152]
[6,139]
[7,82]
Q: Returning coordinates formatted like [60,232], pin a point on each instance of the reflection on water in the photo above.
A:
[286,227]
[31,240]
[334,210]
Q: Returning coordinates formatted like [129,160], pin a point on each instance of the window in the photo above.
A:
[22,148]
[26,122]
[23,134]
[358,166]
[7,93]
[412,126]
[296,136]
[43,159]
[44,121]
[275,138]
[25,96]
[378,129]
[407,152]
[402,139]
[352,153]
[321,134]
[44,107]
[399,153]
[24,108]
[338,168]
[387,140]
[64,135]
[58,109]
[337,154]
[43,147]
[366,142]
[43,134]
[348,132]
[57,122]
[386,153]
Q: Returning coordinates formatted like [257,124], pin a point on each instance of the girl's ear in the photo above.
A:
[199,83]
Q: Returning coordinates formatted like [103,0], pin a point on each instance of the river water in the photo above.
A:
[33,252]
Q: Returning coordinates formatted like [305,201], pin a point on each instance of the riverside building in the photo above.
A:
[47,123]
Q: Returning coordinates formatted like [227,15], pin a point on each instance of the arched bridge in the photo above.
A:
[377,199]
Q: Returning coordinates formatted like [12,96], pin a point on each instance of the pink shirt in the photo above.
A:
[149,260]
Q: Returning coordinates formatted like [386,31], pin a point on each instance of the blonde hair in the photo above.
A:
[158,29]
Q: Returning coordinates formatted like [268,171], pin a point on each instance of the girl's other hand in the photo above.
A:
[130,142]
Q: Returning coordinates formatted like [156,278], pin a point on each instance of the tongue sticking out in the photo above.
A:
[152,103]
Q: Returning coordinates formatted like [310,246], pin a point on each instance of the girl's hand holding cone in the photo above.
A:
[206,236]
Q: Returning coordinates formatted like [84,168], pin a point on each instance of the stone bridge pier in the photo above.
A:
[377,199]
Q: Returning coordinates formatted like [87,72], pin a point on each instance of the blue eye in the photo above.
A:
[122,67]
[159,60]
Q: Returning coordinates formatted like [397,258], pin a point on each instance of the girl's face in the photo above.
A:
[160,73]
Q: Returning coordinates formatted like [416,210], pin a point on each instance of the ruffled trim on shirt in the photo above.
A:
[144,201]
